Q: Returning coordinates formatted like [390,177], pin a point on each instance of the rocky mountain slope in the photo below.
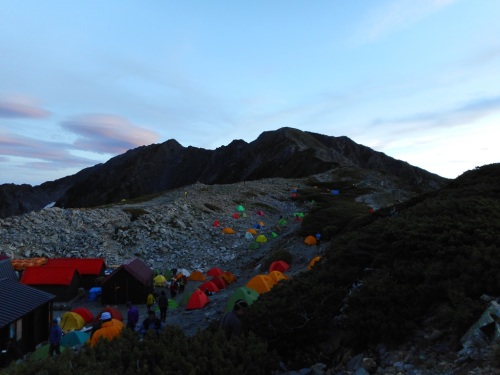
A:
[285,153]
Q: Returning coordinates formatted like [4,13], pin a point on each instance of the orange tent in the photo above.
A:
[277,276]
[197,276]
[198,300]
[313,262]
[228,277]
[260,283]
[310,240]
[279,265]
[228,231]
[251,230]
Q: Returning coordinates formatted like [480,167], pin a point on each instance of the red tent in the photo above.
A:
[198,300]
[221,284]
[216,223]
[236,216]
[214,272]
[279,265]
[210,285]
[260,213]
[85,313]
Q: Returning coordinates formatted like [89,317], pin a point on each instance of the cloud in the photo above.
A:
[21,108]
[400,14]
[52,155]
[108,134]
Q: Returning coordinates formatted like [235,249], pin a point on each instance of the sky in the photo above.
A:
[84,81]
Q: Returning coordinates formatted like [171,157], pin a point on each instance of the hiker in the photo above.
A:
[107,331]
[132,316]
[231,323]
[150,301]
[173,288]
[55,338]
[181,284]
[151,323]
[163,305]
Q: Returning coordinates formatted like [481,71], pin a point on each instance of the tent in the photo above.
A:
[277,276]
[172,304]
[236,216]
[313,262]
[74,338]
[210,285]
[282,222]
[71,321]
[228,277]
[221,284]
[168,274]
[249,236]
[198,300]
[240,208]
[85,313]
[260,213]
[279,265]
[115,313]
[252,231]
[260,283]
[216,223]
[261,223]
[159,280]
[310,240]
[214,272]
[184,271]
[254,246]
[228,231]
[335,192]
[274,234]
[257,226]
[185,298]
[197,276]
[298,214]
[261,238]
[244,214]
[244,293]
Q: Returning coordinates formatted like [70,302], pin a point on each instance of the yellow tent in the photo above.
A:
[312,262]
[159,280]
[228,231]
[310,240]
[261,238]
[197,276]
[71,321]
[277,276]
[260,283]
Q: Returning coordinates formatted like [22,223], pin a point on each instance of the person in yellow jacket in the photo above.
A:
[150,301]
[107,331]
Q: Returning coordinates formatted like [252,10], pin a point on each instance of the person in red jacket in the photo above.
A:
[107,331]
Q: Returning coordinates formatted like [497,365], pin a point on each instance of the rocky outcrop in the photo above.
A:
[285,153]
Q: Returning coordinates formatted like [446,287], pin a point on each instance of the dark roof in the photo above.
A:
[6,270]
[48,275]
[137,269]
[18,300]
[85,266]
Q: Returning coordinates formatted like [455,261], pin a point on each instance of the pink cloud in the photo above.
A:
[108,134]
[21,108]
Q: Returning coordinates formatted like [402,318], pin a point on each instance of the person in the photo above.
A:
[107,331]
[151,323]
[231,323]
[150,301]
[163,305]
[55,338]
[173,288]
[132,316]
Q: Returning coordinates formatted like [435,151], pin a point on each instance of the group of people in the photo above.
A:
[108,329]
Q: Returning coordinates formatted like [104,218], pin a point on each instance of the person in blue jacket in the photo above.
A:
[55,338]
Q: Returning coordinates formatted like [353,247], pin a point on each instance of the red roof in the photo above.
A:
[85,266]
[48,275]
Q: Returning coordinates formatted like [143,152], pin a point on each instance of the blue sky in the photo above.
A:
[83,81]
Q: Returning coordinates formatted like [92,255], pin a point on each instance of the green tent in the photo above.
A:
[168,274]
[244,214]
[273,235]
[254,246]
[244,293]
[282,222]
[172,304]
[240,208]
[299,214]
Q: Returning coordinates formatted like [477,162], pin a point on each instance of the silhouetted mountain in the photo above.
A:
[286,153]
